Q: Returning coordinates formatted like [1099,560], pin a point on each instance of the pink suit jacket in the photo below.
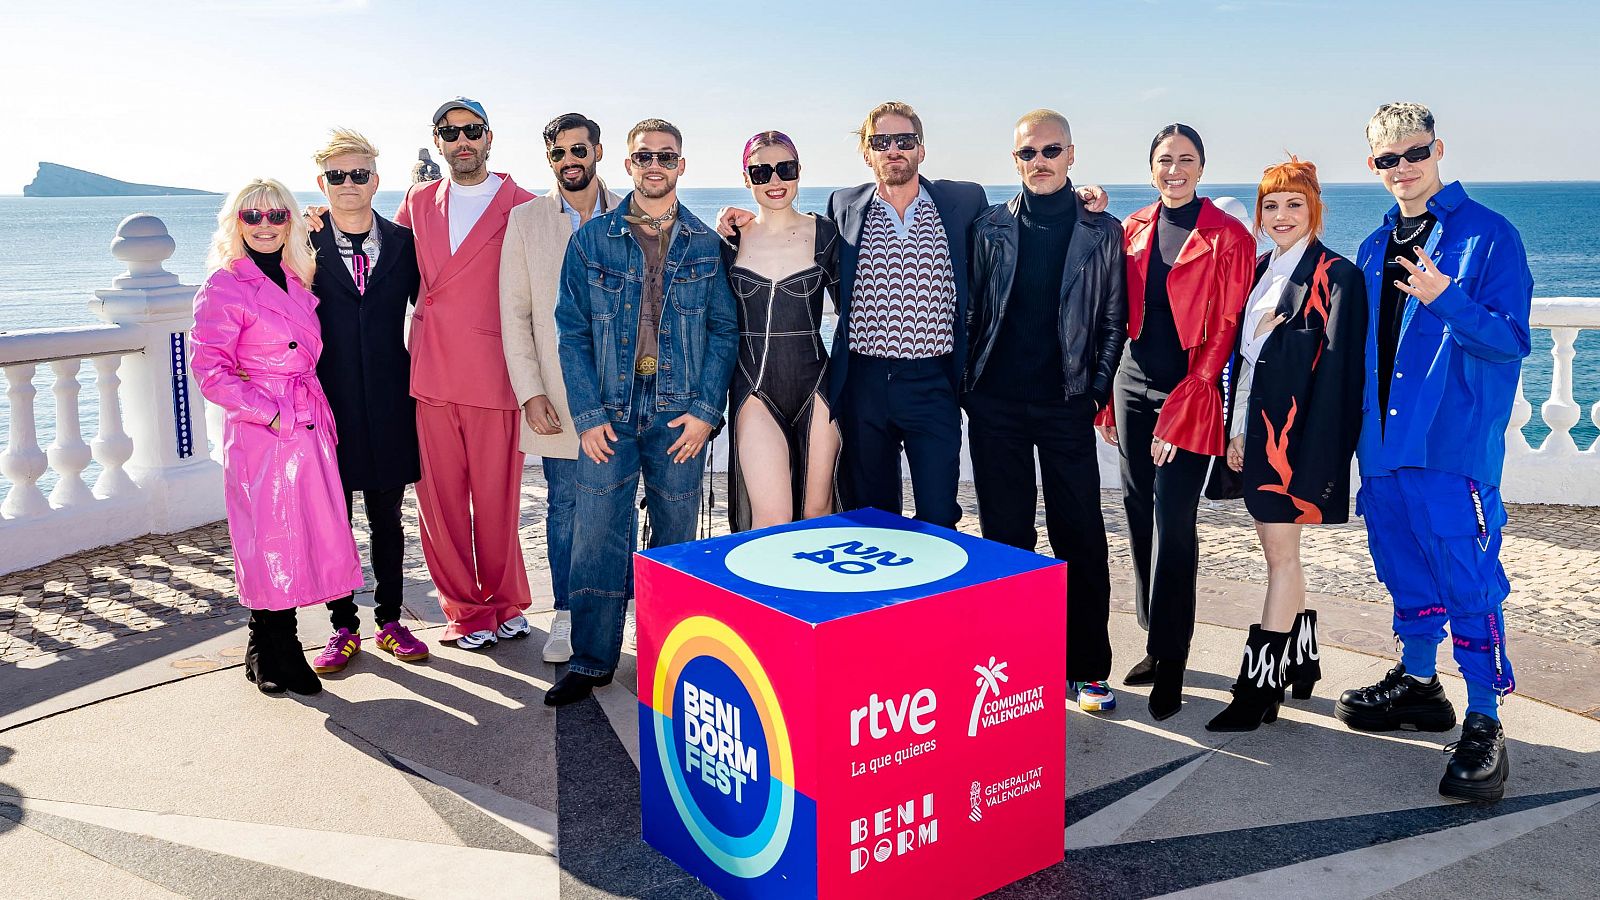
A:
[456,353]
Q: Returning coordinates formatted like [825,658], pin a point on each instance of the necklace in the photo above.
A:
[1421,226]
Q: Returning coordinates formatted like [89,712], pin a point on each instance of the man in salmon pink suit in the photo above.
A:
[467,415]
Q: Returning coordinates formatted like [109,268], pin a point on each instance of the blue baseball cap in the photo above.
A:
[471,106]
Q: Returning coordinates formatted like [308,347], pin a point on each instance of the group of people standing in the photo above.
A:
[611,334]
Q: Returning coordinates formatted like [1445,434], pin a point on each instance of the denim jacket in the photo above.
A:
[1456,369]
[597,315]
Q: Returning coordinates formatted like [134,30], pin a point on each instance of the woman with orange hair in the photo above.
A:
[1293,430]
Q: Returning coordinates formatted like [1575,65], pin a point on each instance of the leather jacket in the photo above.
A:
[1093,321]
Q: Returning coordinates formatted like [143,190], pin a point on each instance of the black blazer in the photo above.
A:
[365,368]
[959,203]
[1305,397]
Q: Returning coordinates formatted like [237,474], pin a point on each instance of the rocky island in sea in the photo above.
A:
[55,180]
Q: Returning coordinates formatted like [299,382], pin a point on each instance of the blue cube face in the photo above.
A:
[823,569]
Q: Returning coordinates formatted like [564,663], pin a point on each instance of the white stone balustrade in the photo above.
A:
[157,474]
[1557,471]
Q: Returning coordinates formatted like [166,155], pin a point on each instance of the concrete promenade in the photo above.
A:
[136,761]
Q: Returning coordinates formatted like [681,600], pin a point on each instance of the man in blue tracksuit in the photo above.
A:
[1449,292]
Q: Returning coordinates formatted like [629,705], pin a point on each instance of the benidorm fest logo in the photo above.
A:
[725,747]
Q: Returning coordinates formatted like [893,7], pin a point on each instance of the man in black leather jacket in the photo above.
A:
[1046,321]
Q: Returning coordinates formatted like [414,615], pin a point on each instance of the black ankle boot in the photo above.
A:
[1143,672]
[294,670]
[1395,702]
[1304,656]
[1166,697]
[572,687]
[260,663]
[1478,762]
[1259,690]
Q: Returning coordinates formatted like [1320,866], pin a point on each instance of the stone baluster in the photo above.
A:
[22,462]
[1560,412]
[182,484]
[68,454]
[112,447]
[1521,412]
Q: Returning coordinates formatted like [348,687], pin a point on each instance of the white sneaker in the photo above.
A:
[513,629]
[630,631]
[478,640]
[558,646]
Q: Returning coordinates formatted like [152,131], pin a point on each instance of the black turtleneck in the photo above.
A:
[1391,300]
[1026,361]
[1157,353]
[270,264]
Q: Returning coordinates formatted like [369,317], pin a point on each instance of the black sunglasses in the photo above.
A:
[761,173]
[907,140]
[1026,154]
[448,133]
[253,217]
[667,158]
[579,151]
[337,176]
[1414,155]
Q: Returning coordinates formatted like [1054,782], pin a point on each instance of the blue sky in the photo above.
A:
[208,94]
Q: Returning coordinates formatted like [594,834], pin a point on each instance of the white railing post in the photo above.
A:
[112,447]
[22,462]
[1559,412]
[181,483]
[68,454]
[1521,411]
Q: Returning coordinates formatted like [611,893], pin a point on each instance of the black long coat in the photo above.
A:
[1305,397]
[365,368]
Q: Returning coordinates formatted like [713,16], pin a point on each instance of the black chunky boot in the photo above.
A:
[1304,655]
[1478,764]
[1259,690]
[1143,672]
[1396,702]
[260,663]
[1166,696]
[294,671]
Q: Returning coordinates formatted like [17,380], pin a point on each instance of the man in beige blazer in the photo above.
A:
[530,269]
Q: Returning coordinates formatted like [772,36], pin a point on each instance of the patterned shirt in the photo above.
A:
[903,305]
[359,271]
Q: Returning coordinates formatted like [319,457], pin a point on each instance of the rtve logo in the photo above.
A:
[915,710]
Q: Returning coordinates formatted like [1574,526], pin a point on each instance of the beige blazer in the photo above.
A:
[530,276]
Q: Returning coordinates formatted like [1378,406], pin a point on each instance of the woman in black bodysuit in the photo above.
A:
[784,444]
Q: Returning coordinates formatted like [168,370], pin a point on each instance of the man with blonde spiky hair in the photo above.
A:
[366,283]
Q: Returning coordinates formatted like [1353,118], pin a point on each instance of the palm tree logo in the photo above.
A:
[989,678]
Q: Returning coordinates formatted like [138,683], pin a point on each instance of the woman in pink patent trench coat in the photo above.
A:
[256,340]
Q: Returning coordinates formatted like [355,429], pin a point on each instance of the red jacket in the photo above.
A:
[1208,285]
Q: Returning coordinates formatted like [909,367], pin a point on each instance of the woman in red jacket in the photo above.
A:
[1190,266]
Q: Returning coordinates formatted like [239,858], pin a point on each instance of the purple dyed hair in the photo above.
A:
[768,139]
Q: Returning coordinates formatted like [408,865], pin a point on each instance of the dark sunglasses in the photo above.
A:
[579,151]
[337,176]
[1414,155]
[1026,154]
[253,217]
[761,173]
[448,133]
[667,158]
[905,141]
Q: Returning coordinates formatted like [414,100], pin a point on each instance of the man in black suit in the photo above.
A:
[365,283]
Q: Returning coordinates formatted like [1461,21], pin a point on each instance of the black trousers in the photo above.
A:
[388,558]
[1161,503]
[1002,435]
[890,403]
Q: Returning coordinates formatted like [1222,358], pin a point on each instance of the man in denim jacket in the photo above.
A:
[649,331]
[1449,293]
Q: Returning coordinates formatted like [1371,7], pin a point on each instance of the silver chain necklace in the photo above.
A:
[1421,226]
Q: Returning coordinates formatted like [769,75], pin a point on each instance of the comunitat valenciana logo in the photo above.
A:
[998,701]
[846,560]
[729,765]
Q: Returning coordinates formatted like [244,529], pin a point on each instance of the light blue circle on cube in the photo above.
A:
[849,560]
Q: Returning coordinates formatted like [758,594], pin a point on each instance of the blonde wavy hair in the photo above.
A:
[227,244]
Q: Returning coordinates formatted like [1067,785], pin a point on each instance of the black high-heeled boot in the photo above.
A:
[1259,690]
[294,670]
[260,663]
[1166,696]
[1143,671]
[1303,655]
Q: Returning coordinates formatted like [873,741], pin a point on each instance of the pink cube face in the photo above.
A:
[855,706]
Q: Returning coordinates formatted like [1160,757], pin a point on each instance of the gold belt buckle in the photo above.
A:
[644,365]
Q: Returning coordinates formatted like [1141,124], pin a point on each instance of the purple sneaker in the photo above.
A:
[342,647]
[398,640]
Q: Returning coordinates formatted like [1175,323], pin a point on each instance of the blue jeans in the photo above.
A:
[602,531]
[561,484]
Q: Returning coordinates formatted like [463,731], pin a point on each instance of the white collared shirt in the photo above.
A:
[577,217]
[1261,306]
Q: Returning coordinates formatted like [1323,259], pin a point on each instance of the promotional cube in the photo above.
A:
[854,706]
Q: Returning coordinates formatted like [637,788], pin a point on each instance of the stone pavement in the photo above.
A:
[94,598]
